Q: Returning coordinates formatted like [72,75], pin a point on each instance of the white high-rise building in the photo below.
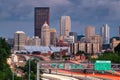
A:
[45,35]
[105,33]
[19,40]
[65,25]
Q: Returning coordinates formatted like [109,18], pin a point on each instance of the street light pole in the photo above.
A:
[13,67]
[71,73]
[29,70]
[38,71]
[13,75]
[29,66]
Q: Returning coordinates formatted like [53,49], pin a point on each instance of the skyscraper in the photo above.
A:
[75,36]
[53,36]
[65,25]
[45,35]
[41,15]
[105,33]
[19,40]
[89,31]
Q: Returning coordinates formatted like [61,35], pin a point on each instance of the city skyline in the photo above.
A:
[19,15]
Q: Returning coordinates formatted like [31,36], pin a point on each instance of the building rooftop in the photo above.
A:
[44,49]
[19,32]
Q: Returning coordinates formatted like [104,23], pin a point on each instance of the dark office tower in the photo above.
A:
[42,15]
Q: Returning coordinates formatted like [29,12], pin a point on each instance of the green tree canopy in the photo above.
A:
[33,70]
[113,57]
[117,48]
[5,71]
[80,52]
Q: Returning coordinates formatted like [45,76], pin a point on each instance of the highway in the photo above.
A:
[100,76]
[78,75]
[75,75]
[59,77]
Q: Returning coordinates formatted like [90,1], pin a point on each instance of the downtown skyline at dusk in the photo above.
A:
[19,15]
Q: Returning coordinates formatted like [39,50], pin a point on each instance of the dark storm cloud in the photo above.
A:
[98,9]
[23,9]
[82,12]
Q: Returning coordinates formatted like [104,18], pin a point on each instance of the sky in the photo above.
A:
[18,15]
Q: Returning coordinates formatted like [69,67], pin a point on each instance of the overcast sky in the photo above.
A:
[19,15]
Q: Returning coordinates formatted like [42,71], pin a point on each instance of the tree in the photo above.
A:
[113,57]
[52,56]
[80,52]
[5,71]
[117,48]
[33,69]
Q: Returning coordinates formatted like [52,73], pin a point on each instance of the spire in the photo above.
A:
[45,23]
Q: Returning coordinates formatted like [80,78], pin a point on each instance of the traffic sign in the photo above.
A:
[102,65]
[73,66]
[54,65]
[76,66]
[113,71]
[79,66]
[61,65]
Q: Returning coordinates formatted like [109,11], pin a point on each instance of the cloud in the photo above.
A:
[100,10]
[23,9]
[86,9]
[82,12]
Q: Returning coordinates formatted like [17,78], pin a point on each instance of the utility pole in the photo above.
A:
[13,75]
[38,71]
[29,70]
[13,66]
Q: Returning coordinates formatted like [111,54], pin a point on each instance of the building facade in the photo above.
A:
[45,35]
[105,33]
[69,39]
[89,31]
[89,48]
[41,14]
[34,41]
[19,40]
[53,37]
[97,39]
[65,25]
[75,36]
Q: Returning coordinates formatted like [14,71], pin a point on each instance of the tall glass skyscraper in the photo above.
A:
[41,14]
[65,25]
[105,33]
